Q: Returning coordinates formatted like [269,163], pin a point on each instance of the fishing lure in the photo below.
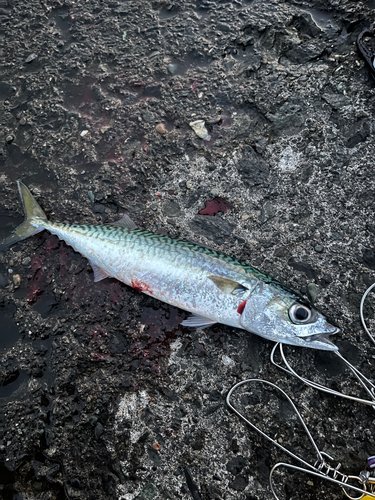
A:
[214,287]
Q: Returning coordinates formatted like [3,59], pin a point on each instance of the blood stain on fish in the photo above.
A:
[140,286]
[241,307]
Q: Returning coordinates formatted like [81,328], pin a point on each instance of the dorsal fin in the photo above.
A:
[125,221]
[228,286]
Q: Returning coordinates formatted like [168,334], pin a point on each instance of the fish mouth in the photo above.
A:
[321,340]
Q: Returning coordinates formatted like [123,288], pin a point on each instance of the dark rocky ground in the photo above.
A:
[94,376]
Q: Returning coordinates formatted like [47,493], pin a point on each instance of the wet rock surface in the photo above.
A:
[102,394]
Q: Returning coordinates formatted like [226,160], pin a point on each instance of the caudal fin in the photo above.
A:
[29,227]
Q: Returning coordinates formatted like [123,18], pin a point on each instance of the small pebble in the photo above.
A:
[199,128]
[245,217]
[83,133]
[156,446]
[9,138]
[31,58]
[173,68]
[318,248]
[312,292]
[160,128]
[23,121]
[26,261]
[16,280]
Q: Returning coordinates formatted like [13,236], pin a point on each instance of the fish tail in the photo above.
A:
[33,223]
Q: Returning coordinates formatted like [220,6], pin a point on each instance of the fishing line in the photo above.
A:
[361,312]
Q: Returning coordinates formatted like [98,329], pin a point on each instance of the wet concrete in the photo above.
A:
[102,393]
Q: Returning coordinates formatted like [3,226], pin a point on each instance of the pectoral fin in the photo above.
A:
[99,273]
[228,286]
[196,321]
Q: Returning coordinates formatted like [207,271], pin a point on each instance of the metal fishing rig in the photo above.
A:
[366,49]
[321,468]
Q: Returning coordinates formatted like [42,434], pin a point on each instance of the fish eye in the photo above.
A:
[299,313]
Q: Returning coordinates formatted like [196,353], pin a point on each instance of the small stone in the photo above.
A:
[173,69]
[9,138]
[245,217]
[199,128]
[98,431]
[23,121]
[31,58]
[83,133]
[26,261]
[160,128]
[312,292]
[16,280]
[156,446]
[239,483]
[227,361]
[91,196]
[148,117]
[318,248]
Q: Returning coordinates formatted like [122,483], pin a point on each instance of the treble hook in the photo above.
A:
[321,468]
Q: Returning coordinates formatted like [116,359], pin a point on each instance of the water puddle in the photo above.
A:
[321,18]
[325,21]
[197,58]
[61,18]
[12,385]
[9,330]
[62,21]
[81,96]
[8,222]
[194,59]
[169,12]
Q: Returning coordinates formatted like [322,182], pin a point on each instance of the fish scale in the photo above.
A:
[214,287]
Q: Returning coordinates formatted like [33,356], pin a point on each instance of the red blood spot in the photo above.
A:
[216,205]
[141,287]
[241,307]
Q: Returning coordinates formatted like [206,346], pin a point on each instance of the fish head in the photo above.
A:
[279,315]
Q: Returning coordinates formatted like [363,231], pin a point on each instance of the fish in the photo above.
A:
[214,287]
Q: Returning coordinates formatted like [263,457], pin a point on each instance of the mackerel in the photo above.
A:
[214,287]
